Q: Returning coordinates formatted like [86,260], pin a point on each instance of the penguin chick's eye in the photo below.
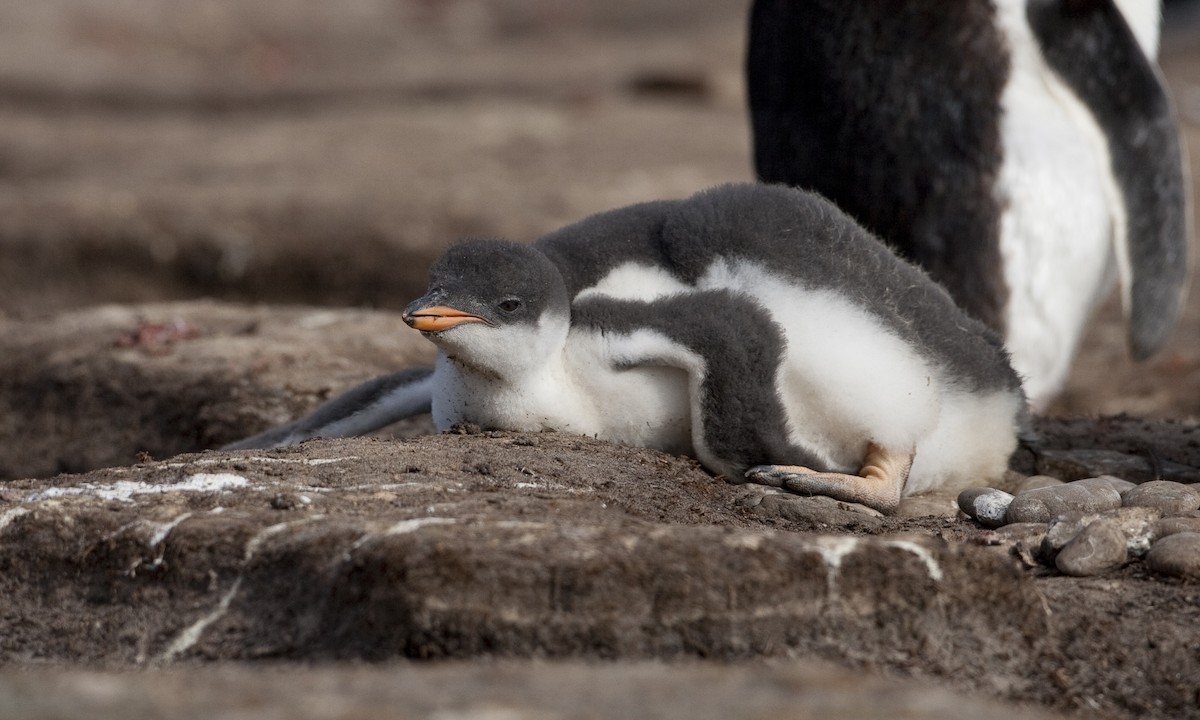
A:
[509,305]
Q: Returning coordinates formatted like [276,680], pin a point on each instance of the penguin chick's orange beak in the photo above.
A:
[439,317]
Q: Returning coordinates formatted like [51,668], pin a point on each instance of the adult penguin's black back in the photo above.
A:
[1023,151]
[857,100]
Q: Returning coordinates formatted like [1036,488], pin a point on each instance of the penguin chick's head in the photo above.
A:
[494,305]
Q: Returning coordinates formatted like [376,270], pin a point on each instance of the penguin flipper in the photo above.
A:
[879,484]
[367,407]
[1122,88]
[725,343]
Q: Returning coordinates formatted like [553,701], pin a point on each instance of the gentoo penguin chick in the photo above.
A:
[755,327]
[1024,152]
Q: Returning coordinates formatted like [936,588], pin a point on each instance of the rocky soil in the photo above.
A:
[209,214]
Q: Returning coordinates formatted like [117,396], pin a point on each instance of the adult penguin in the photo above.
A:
[1024,152]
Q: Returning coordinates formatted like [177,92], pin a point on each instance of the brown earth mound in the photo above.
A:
[550,545]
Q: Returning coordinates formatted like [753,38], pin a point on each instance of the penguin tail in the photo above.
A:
[370,406]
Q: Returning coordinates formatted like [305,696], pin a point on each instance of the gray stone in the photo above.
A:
[1111,481]
[1063,529]
[818,510]
[1098,549]
[1033,482]
[986,505]
[1169,497]
[1137,524]
[1044,504]
[1177,555]
[1079,464]
[930,505]
[1174,525]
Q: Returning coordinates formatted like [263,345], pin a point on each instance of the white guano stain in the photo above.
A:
[399,528]
[258,459]
[124,490]
[833,549]
[923,554]
[745,541]
[190,635]
[8,516]
[162,530]
[407,526]
[557,487]
[296,461]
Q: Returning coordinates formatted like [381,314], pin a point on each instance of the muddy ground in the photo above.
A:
[209,215]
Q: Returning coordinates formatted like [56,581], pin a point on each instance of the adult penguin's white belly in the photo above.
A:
[1061,210]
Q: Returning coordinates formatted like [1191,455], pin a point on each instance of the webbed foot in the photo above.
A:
[878,485]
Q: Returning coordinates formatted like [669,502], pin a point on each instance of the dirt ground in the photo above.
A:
[208,217]
[500,545]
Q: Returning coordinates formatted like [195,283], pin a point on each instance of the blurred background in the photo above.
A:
[314,152]
[321,153]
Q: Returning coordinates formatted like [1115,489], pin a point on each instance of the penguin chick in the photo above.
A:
[757,328]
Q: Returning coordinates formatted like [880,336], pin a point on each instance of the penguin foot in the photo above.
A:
[878,485]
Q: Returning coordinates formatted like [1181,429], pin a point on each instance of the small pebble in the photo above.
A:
[1063,529]
[1139,525]
[1045,504]
[1116,483]
[986,505]
[1170,497]
[1033,482]
[1099,548]
[1177,555]
[1175,525]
